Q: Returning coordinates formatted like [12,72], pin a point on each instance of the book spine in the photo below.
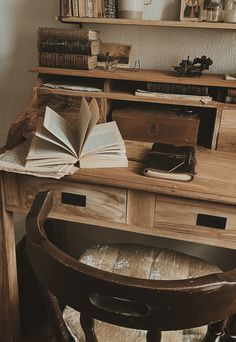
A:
[71,61]
[109,8]
[80,47]
[177,89]
[230,99]
[231,92]
[68,33]
[90,8]
[66,8]
[82,8]
[75,8]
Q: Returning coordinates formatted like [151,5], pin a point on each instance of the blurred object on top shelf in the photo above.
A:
[230,11]
[193,68]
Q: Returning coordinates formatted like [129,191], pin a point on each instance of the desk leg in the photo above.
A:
[9,302]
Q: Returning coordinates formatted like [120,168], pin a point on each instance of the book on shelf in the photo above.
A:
[231,92]
[89,8]
[73,46]
[75,8]
[58,149]
[230,99]
[110,9]
[171,162]
[67,61]
[68,33]
[66,8]
[203,99]
[82,8]
[173,88]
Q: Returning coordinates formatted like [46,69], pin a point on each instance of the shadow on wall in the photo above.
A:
[18,41]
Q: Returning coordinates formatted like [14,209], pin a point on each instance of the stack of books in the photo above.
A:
[88,8]
[72,48]
[231,95]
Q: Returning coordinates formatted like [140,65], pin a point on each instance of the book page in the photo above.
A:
[102,137]
[14,161]
[44,152]
[84,118]
[44,134]
[59,127]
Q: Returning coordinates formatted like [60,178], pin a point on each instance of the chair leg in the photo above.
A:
[214,330]
[230,330]
[153,336]
[87,325]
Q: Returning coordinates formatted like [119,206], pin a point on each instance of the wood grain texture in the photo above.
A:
[140,208]
[145,22]
[152,124]
[215,80]
[102,203]
[9,311]
[227,135]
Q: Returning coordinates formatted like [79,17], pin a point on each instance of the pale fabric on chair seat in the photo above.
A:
[140,262]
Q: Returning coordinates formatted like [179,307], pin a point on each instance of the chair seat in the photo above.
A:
[140,262]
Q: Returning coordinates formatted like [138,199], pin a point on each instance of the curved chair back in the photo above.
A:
[126,301]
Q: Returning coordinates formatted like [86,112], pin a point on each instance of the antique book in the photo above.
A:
[110,8]
[73,46]
[89,145]
[172,88]
[203,99]
[75,8]
[231,92]
[66,8]
[168,161]
[67,61]
[82,8]
[68,33]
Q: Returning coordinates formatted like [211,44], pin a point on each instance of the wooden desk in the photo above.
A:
[123,199]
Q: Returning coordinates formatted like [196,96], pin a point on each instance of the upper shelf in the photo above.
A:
[144,75]
[144,22]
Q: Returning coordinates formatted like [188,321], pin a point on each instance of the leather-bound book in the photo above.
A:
[172,162]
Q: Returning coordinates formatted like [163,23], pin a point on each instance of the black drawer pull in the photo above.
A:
[211,221]
[72,199]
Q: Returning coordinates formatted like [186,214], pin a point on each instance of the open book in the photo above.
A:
[88,145]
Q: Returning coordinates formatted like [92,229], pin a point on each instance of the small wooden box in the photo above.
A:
[156,125]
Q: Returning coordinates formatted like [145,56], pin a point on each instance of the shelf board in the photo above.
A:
[143,75]
[134,98]
[144,22]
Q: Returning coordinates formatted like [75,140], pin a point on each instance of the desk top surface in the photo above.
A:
[215,179]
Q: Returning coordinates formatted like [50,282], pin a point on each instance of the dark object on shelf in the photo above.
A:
[193,68]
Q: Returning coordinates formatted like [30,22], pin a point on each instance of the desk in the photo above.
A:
[124,199]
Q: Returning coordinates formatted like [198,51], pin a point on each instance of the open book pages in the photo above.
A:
[203,99]
[14,161]
[89,145]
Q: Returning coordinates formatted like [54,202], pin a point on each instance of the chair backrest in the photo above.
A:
[121,300]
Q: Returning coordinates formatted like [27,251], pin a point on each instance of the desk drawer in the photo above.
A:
[80,200]
[194,214]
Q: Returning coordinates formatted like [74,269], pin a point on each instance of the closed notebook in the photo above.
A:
[169,161]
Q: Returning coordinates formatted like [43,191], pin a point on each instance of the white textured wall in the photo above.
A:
[156,47]
[19,20]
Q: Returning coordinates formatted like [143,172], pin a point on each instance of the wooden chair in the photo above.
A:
[123,286]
